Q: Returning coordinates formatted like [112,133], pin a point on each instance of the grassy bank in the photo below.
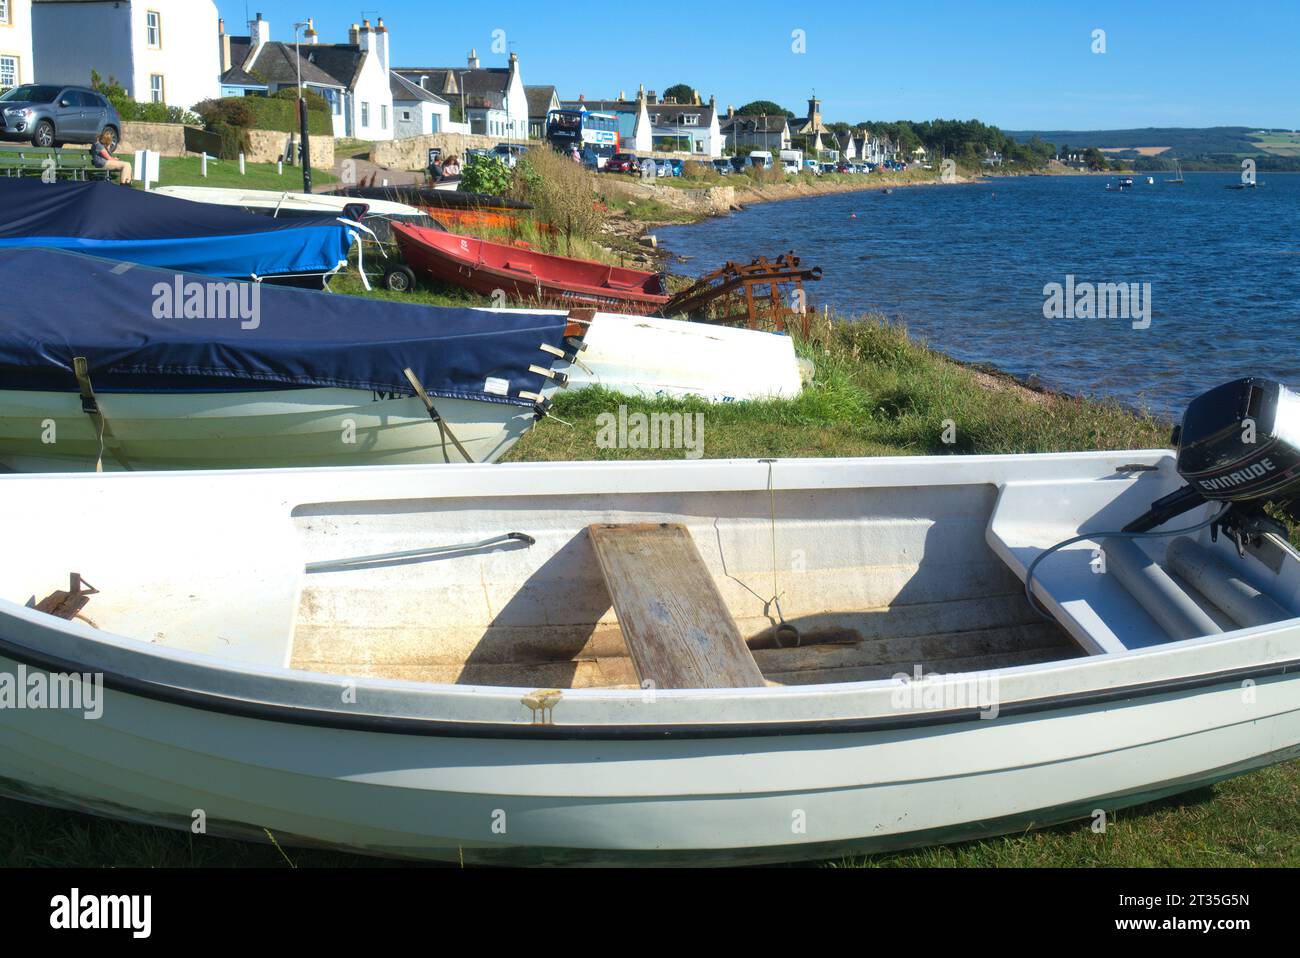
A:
[187,171]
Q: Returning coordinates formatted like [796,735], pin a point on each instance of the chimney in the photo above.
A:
[223,45]
[652,97]
[310,34]
[381,42]
[731,112]
[713,102]
[260,34]
[622,96]
[353,36]
[473,59]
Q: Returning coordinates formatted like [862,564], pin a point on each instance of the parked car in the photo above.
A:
[623,163]
[723,167]
[738,163]
[509,153]
[812,166]
[46,114]
[677,167]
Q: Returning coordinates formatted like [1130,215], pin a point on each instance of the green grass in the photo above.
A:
[185,171]
[876,392]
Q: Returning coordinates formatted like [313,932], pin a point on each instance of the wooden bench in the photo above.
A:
[678,631]
[70,164]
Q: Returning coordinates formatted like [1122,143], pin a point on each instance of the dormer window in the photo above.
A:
[691,119]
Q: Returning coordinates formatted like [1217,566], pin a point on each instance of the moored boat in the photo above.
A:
[133,368]
[285,678]
[528,275]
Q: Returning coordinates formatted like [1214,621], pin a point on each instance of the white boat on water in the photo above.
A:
[478,664]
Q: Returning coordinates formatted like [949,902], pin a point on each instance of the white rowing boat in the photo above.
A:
[477,663]
[287,202]
[650,357]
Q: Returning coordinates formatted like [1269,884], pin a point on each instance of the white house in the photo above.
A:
[160,51]
[686,128]
[491,100]
[15,43]
[353,77]
[416,111]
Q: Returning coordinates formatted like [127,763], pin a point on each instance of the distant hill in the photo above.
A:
[1156,147]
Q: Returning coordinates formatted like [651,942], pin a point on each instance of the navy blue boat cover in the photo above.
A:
[138,329]
[104,219]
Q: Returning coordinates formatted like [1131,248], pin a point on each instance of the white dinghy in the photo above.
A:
[650,662]
[648,357]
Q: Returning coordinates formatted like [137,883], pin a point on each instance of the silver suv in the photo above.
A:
[48,115]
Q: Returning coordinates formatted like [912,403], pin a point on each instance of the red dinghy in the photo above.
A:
[526,274]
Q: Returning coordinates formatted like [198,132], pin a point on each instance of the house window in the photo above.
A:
[153,28]
[156,88]
[365,113]
[4,13]
[691,119]
[8,72]
[406,116]
[383,116]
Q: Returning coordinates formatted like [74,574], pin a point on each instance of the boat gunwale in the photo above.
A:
[209,701]
[1215,659]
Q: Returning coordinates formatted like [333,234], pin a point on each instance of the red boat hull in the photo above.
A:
[527,275]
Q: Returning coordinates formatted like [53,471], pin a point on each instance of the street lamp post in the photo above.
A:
[302,109]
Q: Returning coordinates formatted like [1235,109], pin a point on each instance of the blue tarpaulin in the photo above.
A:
[104,219]
[148,330]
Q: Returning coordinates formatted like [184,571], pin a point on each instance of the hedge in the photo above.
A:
[272,113]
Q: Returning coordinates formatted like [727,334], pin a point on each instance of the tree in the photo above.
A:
[681,92]
[763,108]
[1095,159]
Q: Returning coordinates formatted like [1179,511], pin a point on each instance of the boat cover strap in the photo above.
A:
[443,429]
[90,406]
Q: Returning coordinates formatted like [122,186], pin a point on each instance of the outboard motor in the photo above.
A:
[1239,444]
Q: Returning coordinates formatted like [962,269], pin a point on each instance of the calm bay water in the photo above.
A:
[964,267]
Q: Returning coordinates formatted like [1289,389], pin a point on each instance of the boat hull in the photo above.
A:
[488,268]
[48,431]
[704,802]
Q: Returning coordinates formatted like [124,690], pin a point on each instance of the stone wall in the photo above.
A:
[265,146]
[412,152]
[707,201]
[165,138]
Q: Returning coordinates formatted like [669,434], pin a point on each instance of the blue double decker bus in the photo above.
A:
[566,129]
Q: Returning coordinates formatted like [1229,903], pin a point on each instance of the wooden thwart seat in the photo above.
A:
[679,633]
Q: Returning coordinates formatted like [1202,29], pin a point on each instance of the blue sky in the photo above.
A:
[1020,65]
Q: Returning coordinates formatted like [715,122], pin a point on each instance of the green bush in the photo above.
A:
[560,191]
[267,113]
[485,174]
[129,110]
[234,139]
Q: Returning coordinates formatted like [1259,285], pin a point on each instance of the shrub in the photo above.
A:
[485,174]
[560,191]
[128,109]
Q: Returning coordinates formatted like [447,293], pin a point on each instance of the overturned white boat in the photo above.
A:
[375,213]
[636,661]
[650,357]
[124,367]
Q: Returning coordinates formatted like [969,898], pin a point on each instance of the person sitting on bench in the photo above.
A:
[104,160]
